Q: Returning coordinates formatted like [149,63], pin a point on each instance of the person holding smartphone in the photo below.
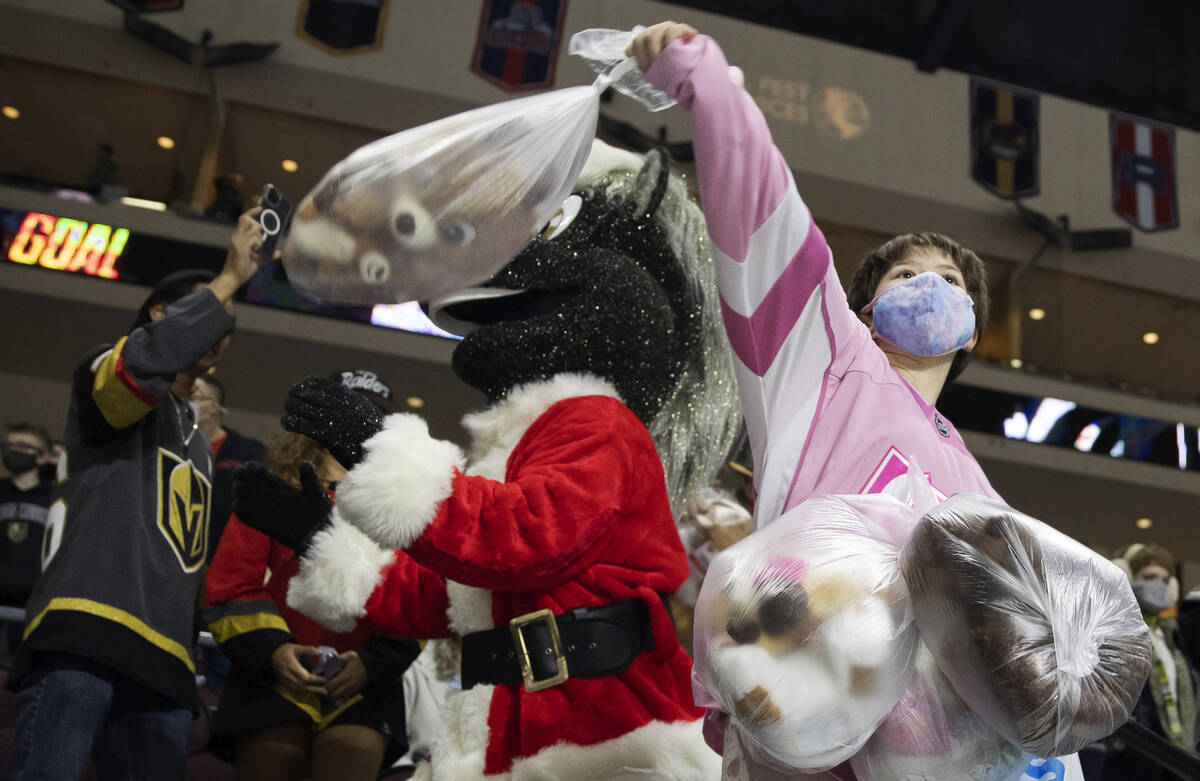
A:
[106,667]
[291,712]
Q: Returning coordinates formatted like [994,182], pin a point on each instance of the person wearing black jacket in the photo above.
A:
[106,667]
[1168,704]
[288,719]
[24,504]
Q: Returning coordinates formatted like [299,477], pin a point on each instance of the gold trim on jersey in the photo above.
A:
[229,627]
[118,616]
[117,402]
[311,704]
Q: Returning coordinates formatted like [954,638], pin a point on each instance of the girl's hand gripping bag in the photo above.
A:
[445,205]
[804,633]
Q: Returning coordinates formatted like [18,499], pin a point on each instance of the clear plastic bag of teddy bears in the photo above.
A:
[804,633]
[1040,636]
[445,205]
[932,735]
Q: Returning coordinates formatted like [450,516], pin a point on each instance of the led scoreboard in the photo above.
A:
[64,244]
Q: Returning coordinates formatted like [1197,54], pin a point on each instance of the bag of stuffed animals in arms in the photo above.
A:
[804,631]
[445,205]
[961,643]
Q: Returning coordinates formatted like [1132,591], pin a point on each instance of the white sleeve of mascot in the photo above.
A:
[338,573]
[396,491]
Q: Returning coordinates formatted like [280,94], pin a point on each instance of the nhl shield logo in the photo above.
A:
[184,498]
[517,44]
[1004,139]
[1143,173]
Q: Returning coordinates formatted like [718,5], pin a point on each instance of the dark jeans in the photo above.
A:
[70,709]
[216,669]
[13,633]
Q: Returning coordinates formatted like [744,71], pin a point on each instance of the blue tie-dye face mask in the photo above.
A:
[925,316]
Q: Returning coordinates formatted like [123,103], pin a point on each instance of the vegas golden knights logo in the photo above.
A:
[183,506]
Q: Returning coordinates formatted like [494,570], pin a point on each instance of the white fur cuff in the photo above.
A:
[396,491]
[337,575]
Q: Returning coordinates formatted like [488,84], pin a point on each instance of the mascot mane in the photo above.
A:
[696,428]
[620,284]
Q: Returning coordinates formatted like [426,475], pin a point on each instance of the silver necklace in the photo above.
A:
[181,408]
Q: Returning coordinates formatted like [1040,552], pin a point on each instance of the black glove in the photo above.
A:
[263,501]
[337,418]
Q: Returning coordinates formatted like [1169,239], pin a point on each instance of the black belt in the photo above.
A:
[542,650]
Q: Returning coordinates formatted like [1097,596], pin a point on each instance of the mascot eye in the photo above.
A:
[456,231]
[562,218]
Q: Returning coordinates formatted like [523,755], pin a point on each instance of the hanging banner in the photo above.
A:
[1004,139]
[517,44]
[1143,172]
[343,26]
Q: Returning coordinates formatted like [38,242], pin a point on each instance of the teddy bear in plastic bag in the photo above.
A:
[1040,636]
[804,633]
[445,205]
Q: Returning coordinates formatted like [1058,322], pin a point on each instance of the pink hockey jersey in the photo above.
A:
[825,411]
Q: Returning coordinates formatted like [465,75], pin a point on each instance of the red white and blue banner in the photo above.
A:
[517,45]
[1143,173]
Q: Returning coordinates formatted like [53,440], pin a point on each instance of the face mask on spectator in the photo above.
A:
[18,461]
[1151,595]
[925,316]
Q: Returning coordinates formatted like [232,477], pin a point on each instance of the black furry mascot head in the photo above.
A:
[618,284]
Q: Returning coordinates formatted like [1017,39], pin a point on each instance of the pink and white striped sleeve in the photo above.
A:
[784,310]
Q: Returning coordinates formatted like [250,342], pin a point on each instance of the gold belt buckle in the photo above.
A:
[515,626]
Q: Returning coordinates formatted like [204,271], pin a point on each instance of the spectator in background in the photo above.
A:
[1168,702]
[24,504]
[106,668]
[104,172]
[287,722]
[227,203]
[230,450]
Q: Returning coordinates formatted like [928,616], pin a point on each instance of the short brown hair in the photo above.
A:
[30,428]
[1146,555]
[287,451]
[875,265]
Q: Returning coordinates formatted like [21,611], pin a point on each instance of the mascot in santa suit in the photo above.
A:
[549,547]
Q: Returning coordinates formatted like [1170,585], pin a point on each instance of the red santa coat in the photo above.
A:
[564,506]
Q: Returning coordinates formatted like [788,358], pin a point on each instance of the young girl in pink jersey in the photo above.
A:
[838,390]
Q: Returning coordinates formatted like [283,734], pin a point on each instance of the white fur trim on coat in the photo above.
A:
[659,750]
[337,575]
[395,492]
[469,608]
[495,431]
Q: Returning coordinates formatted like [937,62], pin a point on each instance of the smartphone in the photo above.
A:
[328,663]
[273,219]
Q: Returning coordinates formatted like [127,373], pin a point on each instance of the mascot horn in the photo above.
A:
[548,550]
